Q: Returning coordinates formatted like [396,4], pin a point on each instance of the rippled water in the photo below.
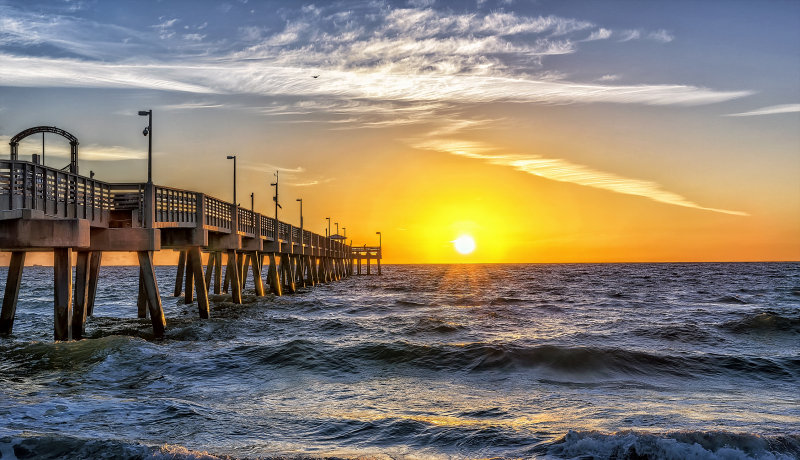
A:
[465,361]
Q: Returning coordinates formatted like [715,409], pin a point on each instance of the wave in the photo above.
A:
[764,322]
[483,357]
[698,445]
[686,333]
[432,439]
[54,447]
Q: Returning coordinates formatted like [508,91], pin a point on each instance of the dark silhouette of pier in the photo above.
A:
[48,209]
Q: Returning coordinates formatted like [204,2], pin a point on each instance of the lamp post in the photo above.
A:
[148,131]
[300,200]
[344,229]
[380,244]
[233,157]
[337,228]
[252,203]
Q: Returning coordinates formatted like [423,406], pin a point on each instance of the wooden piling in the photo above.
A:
[81,294]
[274,277]
[188,294]
[233,270]
[227,278]
[201,290]
[218,271]
[94,274]
[242,269]
[62,293]
[378,261]
[141,298]
[257,281]
[210,263]
[151,290]
[179,274]
[286,262]
[11,294]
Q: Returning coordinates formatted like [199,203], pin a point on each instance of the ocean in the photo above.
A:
[584,361]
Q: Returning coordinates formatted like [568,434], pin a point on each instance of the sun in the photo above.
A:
[464,244]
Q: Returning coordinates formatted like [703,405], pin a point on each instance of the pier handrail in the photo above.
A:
[56,193]
[60,194]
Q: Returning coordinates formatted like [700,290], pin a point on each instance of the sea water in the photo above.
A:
[426,361]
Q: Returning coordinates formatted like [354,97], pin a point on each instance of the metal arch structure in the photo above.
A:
[73,143]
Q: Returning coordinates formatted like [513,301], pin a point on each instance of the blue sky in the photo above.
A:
[632,98]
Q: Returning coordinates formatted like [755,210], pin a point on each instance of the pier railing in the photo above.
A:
[56,193]
[59,194]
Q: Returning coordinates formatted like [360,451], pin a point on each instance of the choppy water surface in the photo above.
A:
[532,361]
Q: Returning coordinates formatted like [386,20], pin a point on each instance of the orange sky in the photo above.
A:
[582,138]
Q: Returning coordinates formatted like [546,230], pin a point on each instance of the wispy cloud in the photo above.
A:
[564,171]
[771,110]
[257,78]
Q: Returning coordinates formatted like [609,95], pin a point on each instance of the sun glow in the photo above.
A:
[464,244]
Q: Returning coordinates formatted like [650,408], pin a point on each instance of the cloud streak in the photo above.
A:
[564,171]
[771,110]
[257,78]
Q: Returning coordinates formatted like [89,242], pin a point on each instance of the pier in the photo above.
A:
[48,209]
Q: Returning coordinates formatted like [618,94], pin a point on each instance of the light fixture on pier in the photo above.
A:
[148,132]
[233,157]
[300,200]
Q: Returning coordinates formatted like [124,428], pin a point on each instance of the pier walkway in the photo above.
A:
[48,209]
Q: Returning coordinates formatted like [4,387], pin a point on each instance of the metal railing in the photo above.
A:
[60,194]
[56,193]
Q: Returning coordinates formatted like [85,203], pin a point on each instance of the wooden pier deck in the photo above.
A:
[47,209]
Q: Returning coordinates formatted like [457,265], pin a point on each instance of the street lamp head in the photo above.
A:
[144,113]
[146,131]
[377,233]
[299,199]
[231,157]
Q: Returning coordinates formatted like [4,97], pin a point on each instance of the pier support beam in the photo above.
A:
[210,263]
[273,275]
[94,274]
[286,264]
[179,274]
[233,273]
[11,294]
[241,264]
[218,271]
[62,293]
[188,296]
[151,290]
[141,298]
[81,295]
[196,262]
[257,281]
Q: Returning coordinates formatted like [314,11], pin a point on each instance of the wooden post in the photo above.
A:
[151,290]
[288,279]
[218,271]
[188,294]
[179,274]
[359,265]
[62,293]
[240,266]
[81,295]
[245,261]
[233,270]
[196,262]
[141,298]
[274,276]
[378,261]
[227,278]
[11,294]
[368,259]
[257,281]
[210,263]
[94,274]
